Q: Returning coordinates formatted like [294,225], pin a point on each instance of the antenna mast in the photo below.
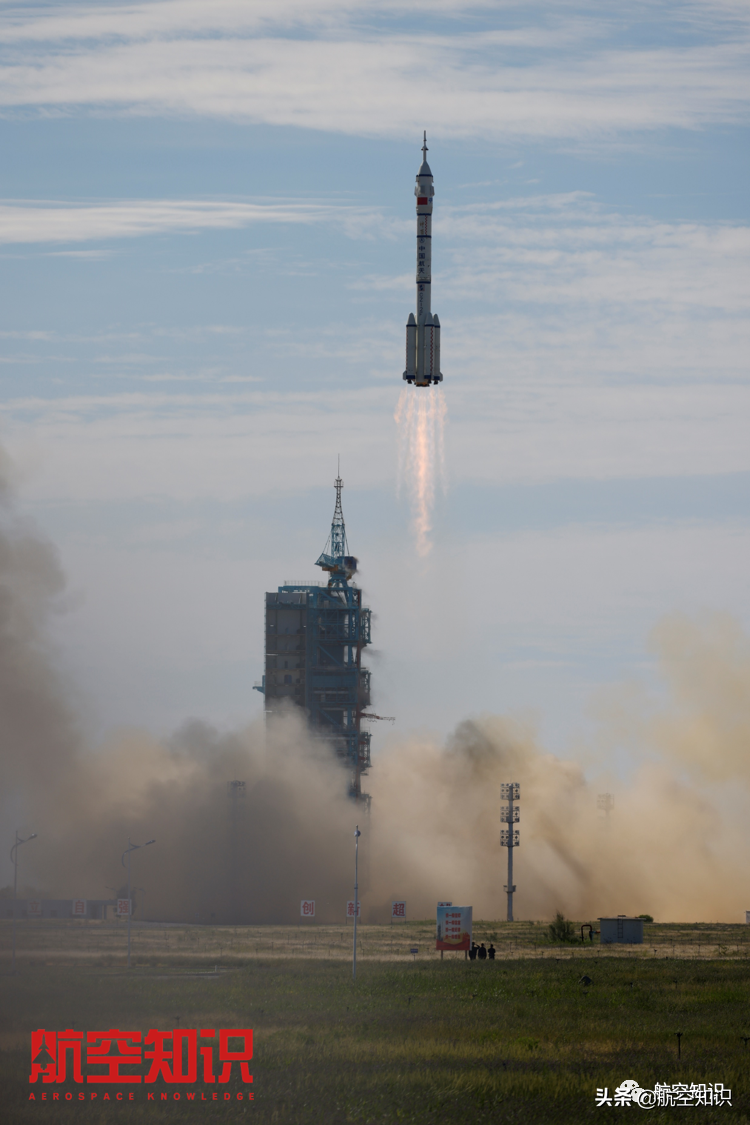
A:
[339,546]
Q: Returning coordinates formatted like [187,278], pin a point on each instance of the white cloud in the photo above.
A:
[568,250]
[182,445]
[540,23]
[560,291]
[336,66]
[226,446]
[59,222]
[194,17]
[562,253]
[549,249]
[552,429]
[589,351]
[191,332]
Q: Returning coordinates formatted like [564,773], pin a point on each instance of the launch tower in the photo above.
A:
[315,634]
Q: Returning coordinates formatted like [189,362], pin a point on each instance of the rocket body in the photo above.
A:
[423,331]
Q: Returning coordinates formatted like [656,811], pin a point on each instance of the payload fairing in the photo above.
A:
[423,333]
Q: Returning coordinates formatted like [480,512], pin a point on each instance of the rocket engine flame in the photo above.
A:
[420,417]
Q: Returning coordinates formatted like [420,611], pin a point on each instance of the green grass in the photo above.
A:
[518,1040]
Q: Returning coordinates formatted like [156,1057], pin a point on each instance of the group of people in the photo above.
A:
[480,952]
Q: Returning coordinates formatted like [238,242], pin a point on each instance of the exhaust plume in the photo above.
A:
[420,417]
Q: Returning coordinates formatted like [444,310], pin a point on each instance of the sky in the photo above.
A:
[207,262]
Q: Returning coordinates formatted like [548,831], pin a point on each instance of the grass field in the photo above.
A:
[425,1041]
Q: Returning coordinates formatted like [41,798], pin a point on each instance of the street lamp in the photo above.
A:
[357,835]
[14,861]
[131,848]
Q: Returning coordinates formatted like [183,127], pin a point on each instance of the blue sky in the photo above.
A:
[207,255]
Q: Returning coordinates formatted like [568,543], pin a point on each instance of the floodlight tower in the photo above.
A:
[509,837]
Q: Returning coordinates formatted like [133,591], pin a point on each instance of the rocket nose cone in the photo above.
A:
[425,169]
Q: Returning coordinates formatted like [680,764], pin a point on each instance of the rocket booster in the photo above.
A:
[423,331]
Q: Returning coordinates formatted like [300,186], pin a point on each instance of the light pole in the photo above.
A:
[14,861]
[132,848]
[357,835]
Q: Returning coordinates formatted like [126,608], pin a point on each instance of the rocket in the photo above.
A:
[423,331]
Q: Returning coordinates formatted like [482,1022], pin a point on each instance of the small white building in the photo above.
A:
[622,929]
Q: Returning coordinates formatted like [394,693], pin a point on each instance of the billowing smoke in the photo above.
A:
[251,854]
[675,844]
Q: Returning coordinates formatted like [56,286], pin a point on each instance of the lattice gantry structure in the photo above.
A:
[315,635]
